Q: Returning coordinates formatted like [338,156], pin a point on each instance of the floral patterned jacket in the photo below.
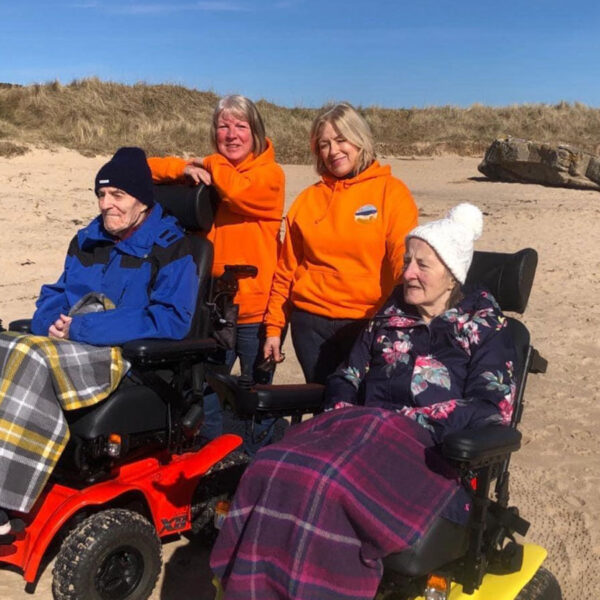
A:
[455,373]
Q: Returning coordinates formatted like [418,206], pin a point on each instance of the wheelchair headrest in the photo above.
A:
[508,276]
[193,206]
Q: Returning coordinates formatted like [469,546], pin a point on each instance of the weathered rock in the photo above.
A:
[525,161]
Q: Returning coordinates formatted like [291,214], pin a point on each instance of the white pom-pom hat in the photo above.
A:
[452,237]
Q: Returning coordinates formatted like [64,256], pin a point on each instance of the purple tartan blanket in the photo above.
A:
[315,512]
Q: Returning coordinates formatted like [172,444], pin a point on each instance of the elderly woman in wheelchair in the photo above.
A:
[129,274]
[318,514]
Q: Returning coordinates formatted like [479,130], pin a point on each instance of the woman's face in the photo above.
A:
[234,138]
[427,282]
[338,155]
[120,211]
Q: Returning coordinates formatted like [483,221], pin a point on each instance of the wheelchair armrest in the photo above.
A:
[20,325]
[290,399]
[241,271]
[267,400]
[477,447]
[151,352]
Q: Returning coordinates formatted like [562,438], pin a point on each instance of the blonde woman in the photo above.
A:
[344,246]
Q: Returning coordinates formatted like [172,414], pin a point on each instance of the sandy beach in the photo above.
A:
[45,196]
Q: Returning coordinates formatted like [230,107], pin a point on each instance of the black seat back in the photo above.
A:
[508,276]
[193,206]
[203,255]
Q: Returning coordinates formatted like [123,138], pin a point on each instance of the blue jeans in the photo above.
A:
[249,348]
[322,344]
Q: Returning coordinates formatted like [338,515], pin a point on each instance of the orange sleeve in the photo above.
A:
[291,255]
[402,216]
[257,192]
[165,169]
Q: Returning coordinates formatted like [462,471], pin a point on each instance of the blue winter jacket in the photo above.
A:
[151,277]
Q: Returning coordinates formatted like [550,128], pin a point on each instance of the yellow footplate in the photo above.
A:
[504,587]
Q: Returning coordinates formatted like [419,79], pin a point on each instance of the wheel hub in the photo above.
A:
[120,573]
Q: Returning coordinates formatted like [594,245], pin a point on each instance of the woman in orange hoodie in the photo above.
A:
[344,246]
[251,186]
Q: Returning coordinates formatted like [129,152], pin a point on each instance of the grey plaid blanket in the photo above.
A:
[39,378]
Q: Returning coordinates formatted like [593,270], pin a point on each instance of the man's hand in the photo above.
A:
[60,328]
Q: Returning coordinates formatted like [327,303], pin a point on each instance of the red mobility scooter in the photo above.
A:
[135,463]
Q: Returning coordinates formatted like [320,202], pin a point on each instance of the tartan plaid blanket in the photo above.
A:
[40,378]
[316,512]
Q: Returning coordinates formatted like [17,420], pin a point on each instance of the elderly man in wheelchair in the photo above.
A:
[100,409]
[129,274]
[397,473]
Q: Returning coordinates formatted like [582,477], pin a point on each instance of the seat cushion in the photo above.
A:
[442,543]
[130,409]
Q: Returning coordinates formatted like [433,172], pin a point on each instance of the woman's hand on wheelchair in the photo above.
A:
[197,173]
[272,349]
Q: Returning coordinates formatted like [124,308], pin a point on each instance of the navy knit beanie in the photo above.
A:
[128,170]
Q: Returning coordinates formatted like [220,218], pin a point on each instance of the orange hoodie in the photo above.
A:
[246,227]
[344,247]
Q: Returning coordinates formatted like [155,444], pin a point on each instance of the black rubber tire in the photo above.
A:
[112,555]
[543,586]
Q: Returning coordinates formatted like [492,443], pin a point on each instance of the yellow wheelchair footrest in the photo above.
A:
[504,587]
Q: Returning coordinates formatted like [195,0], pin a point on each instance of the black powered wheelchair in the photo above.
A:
[135,469]
[482,560]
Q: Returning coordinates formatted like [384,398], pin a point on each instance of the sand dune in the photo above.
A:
[45,196]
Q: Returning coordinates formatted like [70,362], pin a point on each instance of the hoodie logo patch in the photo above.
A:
[365,214]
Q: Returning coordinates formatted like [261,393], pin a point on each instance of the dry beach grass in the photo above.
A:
[92,116]
[45,195]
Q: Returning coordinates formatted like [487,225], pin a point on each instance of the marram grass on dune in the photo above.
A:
[92,116]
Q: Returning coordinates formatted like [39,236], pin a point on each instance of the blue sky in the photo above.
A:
[391,53]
